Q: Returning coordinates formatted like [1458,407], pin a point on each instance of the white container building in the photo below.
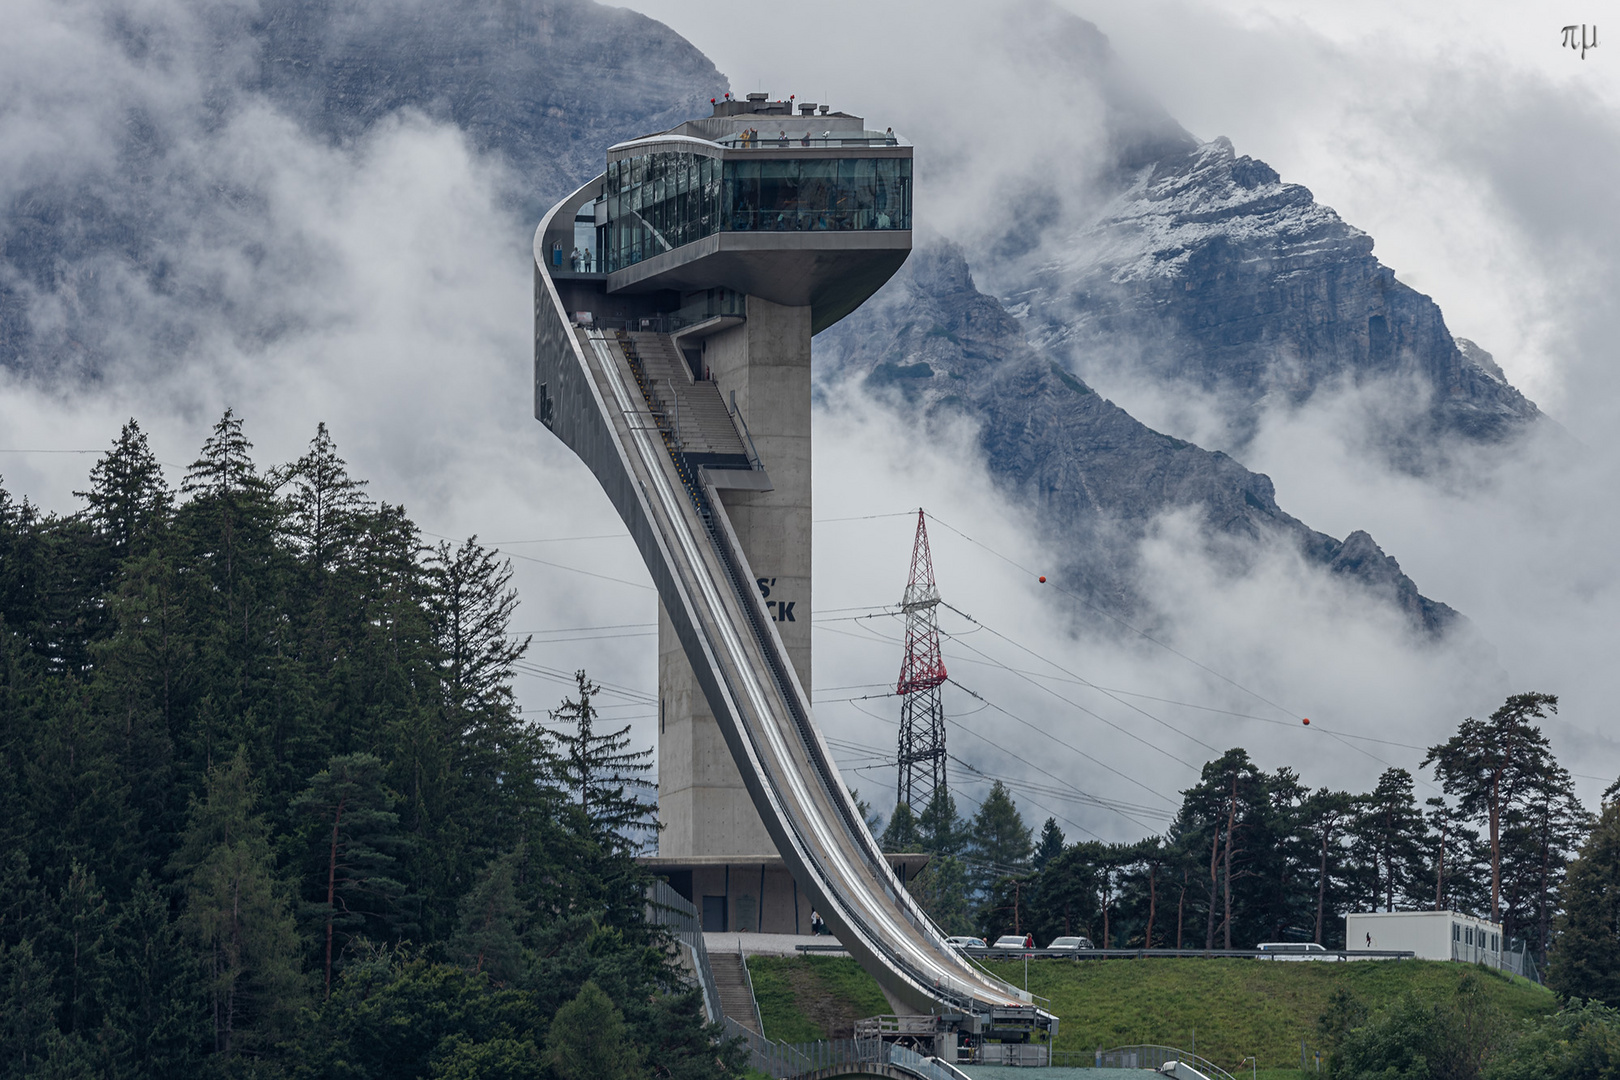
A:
[1432,935]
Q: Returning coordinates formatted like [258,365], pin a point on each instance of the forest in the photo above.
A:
[269,808]
[1256,856]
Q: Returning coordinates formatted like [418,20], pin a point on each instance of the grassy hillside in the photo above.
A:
[1239,1007]
[804,998]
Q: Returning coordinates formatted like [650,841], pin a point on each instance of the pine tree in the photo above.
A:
[1325,817]
[1586,959]
[1391,832]
[236,915]
[1487,766]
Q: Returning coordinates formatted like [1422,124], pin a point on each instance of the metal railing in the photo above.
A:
[1519,963]
[776,1059]
[1146,954]
[1145,1056]
[669,909]
[777,141]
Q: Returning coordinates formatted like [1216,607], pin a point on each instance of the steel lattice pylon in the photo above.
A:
[922,718]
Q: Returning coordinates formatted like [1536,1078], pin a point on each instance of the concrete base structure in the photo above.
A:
[750,896]
[762,369]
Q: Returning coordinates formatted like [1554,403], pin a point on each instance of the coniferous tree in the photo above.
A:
[998,840]
[1325,817]
[1390,831]
[352,839]
[129,501]
[1048,846]
[902,833]
[155,1001]
[488,939]
[1586,960]
[236,915]
[606,779]
[1489,765]
[588,1041]
[940,829]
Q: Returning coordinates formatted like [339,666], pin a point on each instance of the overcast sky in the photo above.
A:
[1479,153]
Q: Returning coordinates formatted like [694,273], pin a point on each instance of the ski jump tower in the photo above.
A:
[675,298]
[711,253]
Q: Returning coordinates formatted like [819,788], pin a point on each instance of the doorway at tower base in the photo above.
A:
[750,896]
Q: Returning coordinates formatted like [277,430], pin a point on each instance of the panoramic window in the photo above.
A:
[657,202]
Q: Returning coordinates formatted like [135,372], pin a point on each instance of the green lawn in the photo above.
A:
[1239,1007]
[805,998]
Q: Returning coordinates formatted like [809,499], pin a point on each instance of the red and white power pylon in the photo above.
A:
[922,719]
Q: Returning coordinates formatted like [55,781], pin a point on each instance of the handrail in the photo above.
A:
[753,1000]
[668,908]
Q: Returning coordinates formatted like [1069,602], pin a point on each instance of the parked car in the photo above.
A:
[1011,941]
[1071,943]
[966,942]
[1291,950]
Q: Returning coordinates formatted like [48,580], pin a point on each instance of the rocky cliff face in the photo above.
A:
[1209,273]
[1095,478]
[119,249]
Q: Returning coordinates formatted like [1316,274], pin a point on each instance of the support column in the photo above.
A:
[763,366]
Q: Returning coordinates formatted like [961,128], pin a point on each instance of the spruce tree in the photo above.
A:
[998,840]
[488,939]
[901,834]
[129,501]
[588,1039]
[352,836]
[607,781]
[236,915]
[940,828]
[1049,845]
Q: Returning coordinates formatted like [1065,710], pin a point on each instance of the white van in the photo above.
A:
[1291,950]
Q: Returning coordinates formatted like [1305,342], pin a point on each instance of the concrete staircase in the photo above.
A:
[736,994]
[694,411]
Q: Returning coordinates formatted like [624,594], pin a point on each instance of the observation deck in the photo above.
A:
[802,209]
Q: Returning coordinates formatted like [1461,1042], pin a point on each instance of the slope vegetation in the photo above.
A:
[1232,1008]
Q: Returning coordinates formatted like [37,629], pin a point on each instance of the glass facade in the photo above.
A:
[660,201]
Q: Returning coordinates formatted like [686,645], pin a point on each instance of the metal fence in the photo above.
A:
[776,1059]
[1519,963]
[669,909]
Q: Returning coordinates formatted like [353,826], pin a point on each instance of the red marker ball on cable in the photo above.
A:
[1043,579]
[1306,721]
